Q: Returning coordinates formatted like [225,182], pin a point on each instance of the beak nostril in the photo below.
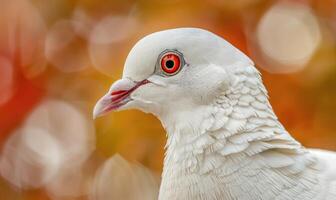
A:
[122,85]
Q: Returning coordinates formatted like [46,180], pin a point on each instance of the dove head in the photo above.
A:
[172,72]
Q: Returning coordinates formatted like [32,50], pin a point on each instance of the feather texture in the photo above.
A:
[241,151]
[224,141]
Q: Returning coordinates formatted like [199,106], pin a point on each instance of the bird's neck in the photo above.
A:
[239,116]
[223,137]
[209,131]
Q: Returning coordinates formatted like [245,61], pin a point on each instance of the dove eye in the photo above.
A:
[170,63]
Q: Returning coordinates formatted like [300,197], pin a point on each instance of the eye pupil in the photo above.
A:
[170,64]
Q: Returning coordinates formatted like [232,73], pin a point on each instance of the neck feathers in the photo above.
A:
[234,142]
[240,121]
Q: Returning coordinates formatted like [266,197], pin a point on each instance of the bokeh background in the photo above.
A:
[57,57]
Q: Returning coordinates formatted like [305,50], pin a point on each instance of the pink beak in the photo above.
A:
[118,96]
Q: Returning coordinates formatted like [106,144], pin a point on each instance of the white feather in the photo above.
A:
[224,140]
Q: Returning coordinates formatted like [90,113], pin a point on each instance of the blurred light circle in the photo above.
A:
[112,29]
[288,34]
[82,23]
[118,179]
[147,183]
[69,183]
[113,180]
[64,49]
[106,41]
[6,80]
[22,35]
[55,140]
[71,128]
[30,158]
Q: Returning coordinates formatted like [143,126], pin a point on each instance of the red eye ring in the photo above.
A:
[170,63]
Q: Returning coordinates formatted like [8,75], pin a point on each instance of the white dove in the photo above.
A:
[223,139]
